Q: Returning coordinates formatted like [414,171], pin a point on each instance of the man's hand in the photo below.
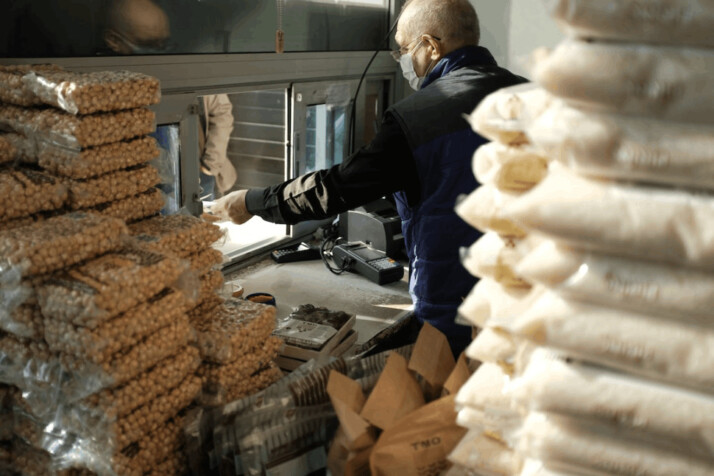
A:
[230,207]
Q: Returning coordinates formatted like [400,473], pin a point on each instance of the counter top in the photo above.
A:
[378,308]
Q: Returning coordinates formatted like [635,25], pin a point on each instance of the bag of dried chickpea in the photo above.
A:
[209,285]
[641,285]
[83,378]
[24,191]
[8,151]
[226,333]
[661,349]
[174,464]
[25,321]
[13,90]
[668,225]
[484,210]
[626,148]
[180,234]
[503,115]
[674,22]
[123,331]
[95,161]
[673,417]
[131,428]
[137,458]
[221,382]
[98,290]
[654,81]
[98,91]
[57,243]
[205,261]
[560,442]
[131,209]
[111,186]
[496,257]
[77,132]
[509,168]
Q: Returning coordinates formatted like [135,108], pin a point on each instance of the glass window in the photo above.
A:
[325,136]
[71,28]
[242,145]
[169,166]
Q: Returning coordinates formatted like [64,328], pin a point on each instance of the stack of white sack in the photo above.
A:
[611,370]
[507,168]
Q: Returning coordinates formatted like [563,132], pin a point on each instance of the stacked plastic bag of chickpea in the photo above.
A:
[611,368]
[94,338]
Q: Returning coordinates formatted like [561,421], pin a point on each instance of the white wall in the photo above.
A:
[512,29]
[531,26]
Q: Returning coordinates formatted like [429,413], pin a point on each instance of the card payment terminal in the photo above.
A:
[373,264]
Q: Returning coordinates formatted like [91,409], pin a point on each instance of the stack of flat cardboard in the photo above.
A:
[312,332]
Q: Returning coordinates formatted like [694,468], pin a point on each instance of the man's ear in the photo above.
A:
[437,48]
[114,42]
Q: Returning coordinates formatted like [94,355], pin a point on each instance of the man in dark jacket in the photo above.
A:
[422,154]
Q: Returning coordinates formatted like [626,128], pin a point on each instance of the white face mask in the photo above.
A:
[407,63]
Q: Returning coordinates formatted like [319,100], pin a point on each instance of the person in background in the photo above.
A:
[137,27]
[217,172]
[422,154]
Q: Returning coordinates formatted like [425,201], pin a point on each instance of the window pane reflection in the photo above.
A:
[58,28]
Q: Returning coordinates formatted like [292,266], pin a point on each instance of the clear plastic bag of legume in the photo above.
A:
[88,93]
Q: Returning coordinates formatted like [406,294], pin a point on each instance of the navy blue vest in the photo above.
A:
[443,145]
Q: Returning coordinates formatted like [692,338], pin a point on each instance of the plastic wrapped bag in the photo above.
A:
[503,115]
[494,345]
[217,378]
[127,329]
[98,91]
[674,22]
[640,285]
[256,382]
[205,261]
[657,348]
[484,210]
[659,413]
[24,321]
[626,148]
[131,209]
[77,132]
[8,151]
[488,299]
[137,458]
[209,284]
[100,289]
[25,191]
[485,455]
[227,333]
[85,378]
[509,168]
[58,242]
[161,378]
[111,186]
[13,90]
[659,82]
[95,161]
[668,225]
[294,443]
[182,235]
[561,443]
[496,257]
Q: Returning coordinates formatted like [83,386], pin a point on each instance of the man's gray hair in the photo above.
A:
[452,19]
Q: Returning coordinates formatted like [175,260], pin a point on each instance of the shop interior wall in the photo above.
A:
[512,28]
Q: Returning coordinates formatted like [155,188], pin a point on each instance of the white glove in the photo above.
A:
[230,207]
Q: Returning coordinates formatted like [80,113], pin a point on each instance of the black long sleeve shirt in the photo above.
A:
[383,167]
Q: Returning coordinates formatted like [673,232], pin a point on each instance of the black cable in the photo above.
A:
[323,255]
[361,79]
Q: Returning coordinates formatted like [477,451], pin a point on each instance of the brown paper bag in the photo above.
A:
[343,462]
[458,377]
[348,399]
[432,357]
[396,394]
[419,443]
